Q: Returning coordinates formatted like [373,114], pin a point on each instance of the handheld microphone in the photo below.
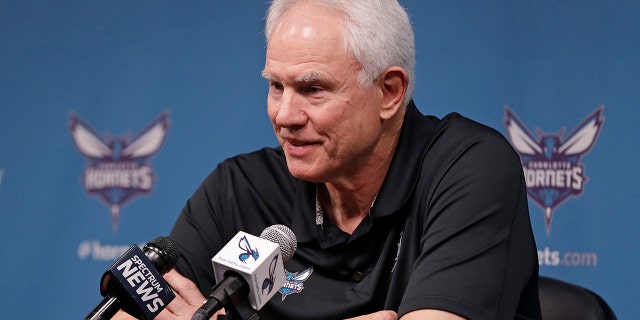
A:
[249,266]
[134,282]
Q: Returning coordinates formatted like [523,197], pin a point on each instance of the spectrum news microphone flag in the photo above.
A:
[135,284]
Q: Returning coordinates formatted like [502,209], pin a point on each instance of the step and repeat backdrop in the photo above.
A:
[113,112]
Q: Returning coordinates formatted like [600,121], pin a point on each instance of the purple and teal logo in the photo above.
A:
[248,250]
[294,282]
[118,167]
[268,282]
[551,161]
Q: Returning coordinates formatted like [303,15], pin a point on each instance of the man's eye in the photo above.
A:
[276,86]
[311,90]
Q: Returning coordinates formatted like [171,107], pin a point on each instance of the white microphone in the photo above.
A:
[249,266]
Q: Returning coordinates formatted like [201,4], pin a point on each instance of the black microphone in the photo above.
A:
[134,282]
[249,267]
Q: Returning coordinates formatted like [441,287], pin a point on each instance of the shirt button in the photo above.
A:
[357,276]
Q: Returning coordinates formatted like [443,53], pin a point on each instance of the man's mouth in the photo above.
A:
[297,143]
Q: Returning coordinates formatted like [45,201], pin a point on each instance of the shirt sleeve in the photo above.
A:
[477,251]
[198,233]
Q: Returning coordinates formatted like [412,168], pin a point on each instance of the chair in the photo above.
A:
[561,300]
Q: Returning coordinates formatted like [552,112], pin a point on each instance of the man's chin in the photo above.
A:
[303,172]
[304,176]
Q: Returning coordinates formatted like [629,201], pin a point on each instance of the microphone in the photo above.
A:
[249,266]
[134,282]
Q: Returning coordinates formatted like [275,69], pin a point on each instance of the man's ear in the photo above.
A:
[393,82]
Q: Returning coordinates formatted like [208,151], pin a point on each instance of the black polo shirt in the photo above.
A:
[449,229]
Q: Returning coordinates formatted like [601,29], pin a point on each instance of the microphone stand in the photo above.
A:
[230,294]
[239,310]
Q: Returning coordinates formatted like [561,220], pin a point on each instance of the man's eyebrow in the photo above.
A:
[267,76]
[306,78]
[311,77]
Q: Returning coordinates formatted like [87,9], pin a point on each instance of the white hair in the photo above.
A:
[377,32]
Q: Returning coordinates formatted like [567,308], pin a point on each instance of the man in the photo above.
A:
[397,215]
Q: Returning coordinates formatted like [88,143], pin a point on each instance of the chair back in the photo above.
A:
[560,300]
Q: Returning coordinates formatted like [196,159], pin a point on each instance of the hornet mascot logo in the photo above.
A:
[269,282]
[248,251]
[295,282]
[551,163]
[118,169]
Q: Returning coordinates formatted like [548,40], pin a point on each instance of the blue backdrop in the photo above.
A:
[78,78]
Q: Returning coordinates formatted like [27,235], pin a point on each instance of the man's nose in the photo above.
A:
[291,111]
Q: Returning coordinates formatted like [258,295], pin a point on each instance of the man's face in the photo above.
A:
[327,123]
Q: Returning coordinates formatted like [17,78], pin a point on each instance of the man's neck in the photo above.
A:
[349,200]
[346,209]
[347,203]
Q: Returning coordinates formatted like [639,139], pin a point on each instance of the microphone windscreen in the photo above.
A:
[284,237]
[163,253]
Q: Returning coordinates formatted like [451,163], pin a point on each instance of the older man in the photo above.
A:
[398,215]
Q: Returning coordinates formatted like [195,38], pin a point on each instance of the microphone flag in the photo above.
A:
[145,291]
[257,261]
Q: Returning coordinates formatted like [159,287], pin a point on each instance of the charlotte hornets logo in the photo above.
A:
[551,162]
[248,250]
[295,282]
[118,168]
[269,281]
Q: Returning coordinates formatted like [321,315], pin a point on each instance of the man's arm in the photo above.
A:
[431,314]
[427,314]
[189,299]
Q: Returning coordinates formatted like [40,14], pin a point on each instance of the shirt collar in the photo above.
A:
[407,160]
[398,183]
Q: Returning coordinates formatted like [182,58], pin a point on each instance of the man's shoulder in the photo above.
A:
[457,125]
[457,138]
[455,131]
[258,160]
[259,174]
[263,165]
